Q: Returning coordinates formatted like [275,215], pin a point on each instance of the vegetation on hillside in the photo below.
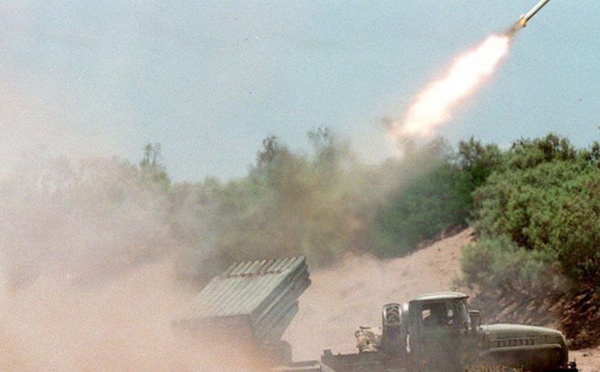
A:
[534,206]
[538,217]
[325,204]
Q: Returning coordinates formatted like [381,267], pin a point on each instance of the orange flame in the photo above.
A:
[434,106]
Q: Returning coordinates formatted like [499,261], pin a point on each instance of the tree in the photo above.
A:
[152,168]
[478,160]
[526,153]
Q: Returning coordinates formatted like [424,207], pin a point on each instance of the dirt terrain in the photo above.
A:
[124,323]
[352,293]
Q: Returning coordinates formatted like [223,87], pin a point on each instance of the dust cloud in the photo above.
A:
[121,325]
[87,273]
[88,264]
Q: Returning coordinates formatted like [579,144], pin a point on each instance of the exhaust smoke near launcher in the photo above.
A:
[436,104]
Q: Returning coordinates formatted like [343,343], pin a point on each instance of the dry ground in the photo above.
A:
[124,324]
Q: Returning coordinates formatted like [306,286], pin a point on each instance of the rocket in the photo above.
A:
[527,16]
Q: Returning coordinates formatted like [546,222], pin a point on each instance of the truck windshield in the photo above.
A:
[447,313]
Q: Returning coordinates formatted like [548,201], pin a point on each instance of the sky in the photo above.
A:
[209,80]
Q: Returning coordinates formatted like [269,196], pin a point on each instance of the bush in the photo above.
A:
[429,205]
[553,209]
[501,265]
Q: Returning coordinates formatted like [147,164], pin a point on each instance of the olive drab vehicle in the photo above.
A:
[432,332]
[438,332]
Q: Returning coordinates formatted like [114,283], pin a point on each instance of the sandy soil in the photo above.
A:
[588,360]
[351,294]
[120,325]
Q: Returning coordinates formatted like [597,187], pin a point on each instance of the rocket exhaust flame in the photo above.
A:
[435,104]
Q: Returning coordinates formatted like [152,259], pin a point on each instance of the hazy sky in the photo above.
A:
[209,80]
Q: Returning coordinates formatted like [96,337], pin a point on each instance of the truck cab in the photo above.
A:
[438,332]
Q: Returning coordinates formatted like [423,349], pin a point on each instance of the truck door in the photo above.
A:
[435,340]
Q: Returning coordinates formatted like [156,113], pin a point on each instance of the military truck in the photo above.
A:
[433,332]
[438,332]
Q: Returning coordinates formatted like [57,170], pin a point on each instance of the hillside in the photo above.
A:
[351,294]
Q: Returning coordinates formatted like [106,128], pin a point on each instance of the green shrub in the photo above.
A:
[499,264]
[430,204]
[553,209]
